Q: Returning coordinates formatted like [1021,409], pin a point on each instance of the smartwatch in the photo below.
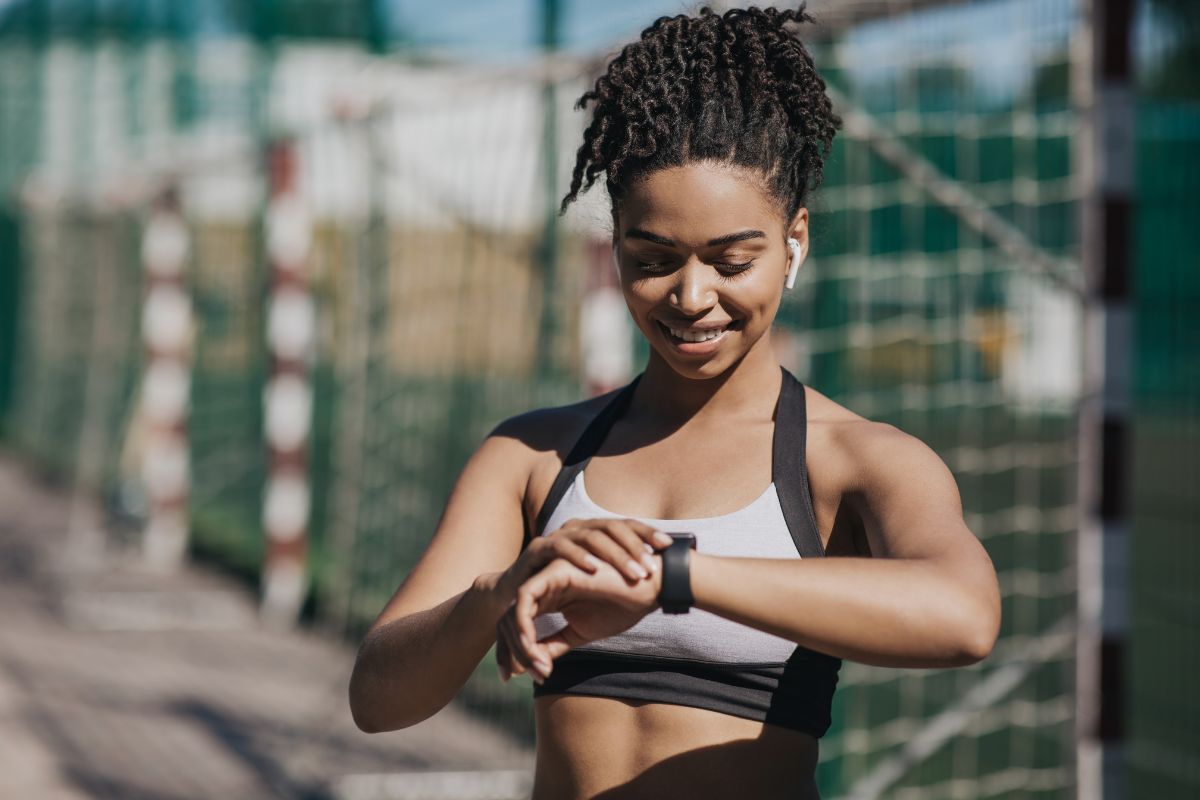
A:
[675,594]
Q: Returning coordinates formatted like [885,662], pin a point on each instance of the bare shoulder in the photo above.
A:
[486,514]
[887,483]
[868,451]
[550,429]
[544,436]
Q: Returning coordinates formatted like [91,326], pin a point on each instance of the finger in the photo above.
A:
[651,539]
[507,633]
[650,535]
[638,538]
[524,609]
[576,554]
[656,538]
[527,650]
[502,659]
[620,547]
[541,663]
[556,645]
[519,659]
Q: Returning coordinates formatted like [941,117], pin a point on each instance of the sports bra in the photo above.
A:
[701,659]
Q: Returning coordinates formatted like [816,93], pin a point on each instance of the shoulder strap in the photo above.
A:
[581,453]
[789,467]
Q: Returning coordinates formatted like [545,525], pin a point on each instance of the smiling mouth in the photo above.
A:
[686,336]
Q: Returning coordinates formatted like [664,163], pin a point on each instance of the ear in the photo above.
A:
[798,230]
[797,246]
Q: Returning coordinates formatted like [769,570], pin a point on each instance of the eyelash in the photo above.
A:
[738,269]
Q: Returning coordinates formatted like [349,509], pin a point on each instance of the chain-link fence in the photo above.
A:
[942,295]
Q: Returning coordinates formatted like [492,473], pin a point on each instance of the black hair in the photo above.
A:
[735,88]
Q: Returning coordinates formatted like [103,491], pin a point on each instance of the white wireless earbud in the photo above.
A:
[616,261]
[797,251]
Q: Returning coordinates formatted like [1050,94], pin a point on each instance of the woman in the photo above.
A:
[711,131]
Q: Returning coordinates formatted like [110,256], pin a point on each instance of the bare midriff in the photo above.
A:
[601,747]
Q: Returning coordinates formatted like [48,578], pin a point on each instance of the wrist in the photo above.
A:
[490,589]
[674,590]
[697,564]
[656,578]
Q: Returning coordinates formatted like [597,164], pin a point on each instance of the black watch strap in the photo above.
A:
[675,595]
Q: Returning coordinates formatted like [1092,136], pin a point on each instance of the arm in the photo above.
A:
[929,597]
[442,619]
[432,634]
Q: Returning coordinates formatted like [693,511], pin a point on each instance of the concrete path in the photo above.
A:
[117,683]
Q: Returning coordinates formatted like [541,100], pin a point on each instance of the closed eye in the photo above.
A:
[663,266]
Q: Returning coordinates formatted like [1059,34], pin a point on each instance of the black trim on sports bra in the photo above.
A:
[795,694]
[789,468]
[585,447]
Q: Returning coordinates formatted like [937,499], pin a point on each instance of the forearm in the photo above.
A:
[887,612]
[410,668]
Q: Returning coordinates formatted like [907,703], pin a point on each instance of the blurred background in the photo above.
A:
[271,269]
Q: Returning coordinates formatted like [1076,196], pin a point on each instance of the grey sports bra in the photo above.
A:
[700,659]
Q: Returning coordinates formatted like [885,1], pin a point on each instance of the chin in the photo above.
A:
[698,370]
[701,367]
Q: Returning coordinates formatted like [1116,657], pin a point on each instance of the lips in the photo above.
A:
[686,328]
[696,338]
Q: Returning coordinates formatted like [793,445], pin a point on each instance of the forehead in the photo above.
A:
[699,200]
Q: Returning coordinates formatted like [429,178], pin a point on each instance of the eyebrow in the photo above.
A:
[730,238]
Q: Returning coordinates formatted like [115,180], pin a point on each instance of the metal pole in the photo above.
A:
[1104,151]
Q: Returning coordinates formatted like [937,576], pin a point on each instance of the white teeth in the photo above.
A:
[699,336]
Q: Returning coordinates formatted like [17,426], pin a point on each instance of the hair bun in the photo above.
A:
[736,87]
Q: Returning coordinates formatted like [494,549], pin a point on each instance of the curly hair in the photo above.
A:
[735,88]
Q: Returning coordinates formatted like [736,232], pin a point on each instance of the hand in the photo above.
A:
[625,544]
[595,605]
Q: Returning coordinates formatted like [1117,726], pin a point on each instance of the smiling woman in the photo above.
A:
[702,295]
[684,625]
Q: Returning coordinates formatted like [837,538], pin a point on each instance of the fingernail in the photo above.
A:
[649,563]
[649,547]
[662,538]
[591,559]
[638,568]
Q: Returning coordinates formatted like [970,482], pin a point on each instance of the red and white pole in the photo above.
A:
[288,396]
[166,381]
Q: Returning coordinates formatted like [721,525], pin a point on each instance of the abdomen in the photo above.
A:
[590,747]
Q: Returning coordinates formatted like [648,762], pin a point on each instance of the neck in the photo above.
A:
[751,386]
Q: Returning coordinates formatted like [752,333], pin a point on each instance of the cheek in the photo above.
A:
[641,300]
[755,303]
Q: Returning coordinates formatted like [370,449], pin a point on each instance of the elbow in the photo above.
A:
[366,693]
[977,633]
[374,710]
[370,716]
[361,706]
[976,645]
[363,720]
[364,725]
[373,716]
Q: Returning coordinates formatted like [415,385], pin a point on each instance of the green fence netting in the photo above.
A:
[447,300]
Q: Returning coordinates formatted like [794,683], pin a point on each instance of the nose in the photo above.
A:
[694,293]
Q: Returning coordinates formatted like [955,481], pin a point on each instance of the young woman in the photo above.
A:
[699,664]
